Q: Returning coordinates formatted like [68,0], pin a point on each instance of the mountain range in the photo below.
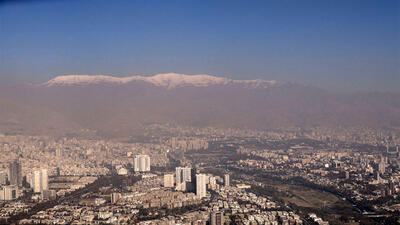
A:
[113,106]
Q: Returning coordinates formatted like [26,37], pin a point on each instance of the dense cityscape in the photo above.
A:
[185,175]
[182,112]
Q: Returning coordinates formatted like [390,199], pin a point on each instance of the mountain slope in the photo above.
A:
[17,117]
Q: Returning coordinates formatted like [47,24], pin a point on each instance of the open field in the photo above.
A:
[325,204]
[306,197]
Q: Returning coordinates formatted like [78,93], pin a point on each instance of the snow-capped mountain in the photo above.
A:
[113,106]
[168,80]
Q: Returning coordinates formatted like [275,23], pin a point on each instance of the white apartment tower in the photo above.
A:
[201,181]
[183,176]
[8,193]
[169,180]
[141,163]
[39,181]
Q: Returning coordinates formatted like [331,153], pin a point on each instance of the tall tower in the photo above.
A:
[15,173]
[147,163]
[178,175]
[141,163]
[44,179]
[183,178]
[201,185]
[378,177]
[3,178]
[35,183]
[227,181]
[169,180]
[115,197]
[39,182]
[183,174]
[187,174]
[382,165]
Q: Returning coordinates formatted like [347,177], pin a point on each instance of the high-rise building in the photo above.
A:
[8,193]
[183,178]
[36,182]
[141,163]
[3,177]
[169,180]
[15,173]
[217,218]
[49,194]
[212,182]
[115,197]
[378,177]
[178,175]
[187,174]
[201,181]
[45,179]
[39,181]
[382,167]
[180,183]
[58,171]
[227,182]
[183,174]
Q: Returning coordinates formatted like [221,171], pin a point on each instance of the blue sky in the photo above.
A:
[342,45]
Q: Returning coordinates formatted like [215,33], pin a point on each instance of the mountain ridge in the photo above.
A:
[168,80]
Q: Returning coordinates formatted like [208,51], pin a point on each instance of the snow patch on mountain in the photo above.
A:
[172,80]
[85,80]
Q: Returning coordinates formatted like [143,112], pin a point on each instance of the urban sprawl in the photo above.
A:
[184,175]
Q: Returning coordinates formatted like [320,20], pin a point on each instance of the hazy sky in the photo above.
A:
[345,44]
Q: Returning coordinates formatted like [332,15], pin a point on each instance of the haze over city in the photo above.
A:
[199,112]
